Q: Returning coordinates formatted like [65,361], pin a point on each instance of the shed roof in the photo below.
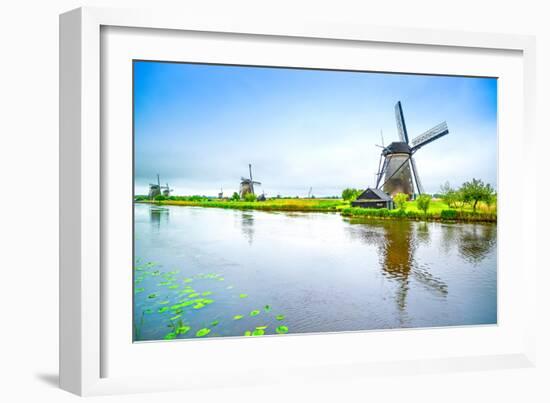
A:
[374,194]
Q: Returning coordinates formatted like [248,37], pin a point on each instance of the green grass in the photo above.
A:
[438,209]
[306,205]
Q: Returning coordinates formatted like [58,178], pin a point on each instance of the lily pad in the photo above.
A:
[254,312]
[151,296]
[170,336]
[138,290]
[187,280]
[258,332]
[280,317]
[174,286]
[248,333]
[183,329]
[202,332]
[282,330]
[175,317]
[215,323]
[199,305]
[194,295]
[163,309]
[243,295]
[204,294]
[237,317]
[261,327]
[267,308]
[164,302]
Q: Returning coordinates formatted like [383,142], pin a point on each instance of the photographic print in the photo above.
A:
[271,201]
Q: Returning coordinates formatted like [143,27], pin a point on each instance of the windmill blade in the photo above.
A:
[419,186]
[428,136]
[381,173]
[256,183]
[401,127]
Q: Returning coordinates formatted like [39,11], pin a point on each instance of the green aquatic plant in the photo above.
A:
[215,323]
[243,295]
[187,280]
[267,308]
[258,332]
[174,286]
[248,333]
[183,329]
[237,317]
[199,305]
[176,317]
[138,290]
[164,302]
[282,330]
[163,309]
[202,332]
[261,327]
[194,295]
[254,312]
[280,317]
[170,336]
[151,296]
[206,293]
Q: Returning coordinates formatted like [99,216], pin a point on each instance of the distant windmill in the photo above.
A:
[247,184]
[155,189]
[220,195]
[397,168]
[309,193]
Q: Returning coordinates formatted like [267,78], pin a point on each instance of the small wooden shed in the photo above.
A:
[373,198]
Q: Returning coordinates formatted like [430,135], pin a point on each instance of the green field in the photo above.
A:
[438,209]
[305,205]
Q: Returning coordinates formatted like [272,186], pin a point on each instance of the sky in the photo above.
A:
[199,126]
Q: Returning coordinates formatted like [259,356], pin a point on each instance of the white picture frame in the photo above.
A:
[84,168]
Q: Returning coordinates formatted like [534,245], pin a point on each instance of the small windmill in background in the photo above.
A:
[155,189]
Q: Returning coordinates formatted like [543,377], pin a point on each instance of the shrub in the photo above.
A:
[423,202]
[448,214]
[250,197]
[400,199]
[160,198]
[350,194]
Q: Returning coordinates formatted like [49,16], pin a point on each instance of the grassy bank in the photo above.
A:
[438,210]
[304,205]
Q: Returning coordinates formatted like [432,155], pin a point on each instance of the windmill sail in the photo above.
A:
[400,119]
[428,136]
[419,186]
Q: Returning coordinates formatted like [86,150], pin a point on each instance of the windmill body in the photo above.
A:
[397,172]
[247,184]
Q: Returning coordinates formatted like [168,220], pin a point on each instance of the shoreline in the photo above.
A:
[337,206]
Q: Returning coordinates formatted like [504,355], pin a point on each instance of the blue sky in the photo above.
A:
[199,126]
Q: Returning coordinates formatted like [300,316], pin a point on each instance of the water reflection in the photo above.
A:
[476,242]
[397,242]
[247,226]
[158,215]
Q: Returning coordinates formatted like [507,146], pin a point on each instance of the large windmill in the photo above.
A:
[247,184]
[397,168]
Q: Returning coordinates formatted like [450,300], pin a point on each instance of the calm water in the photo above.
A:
[323,272]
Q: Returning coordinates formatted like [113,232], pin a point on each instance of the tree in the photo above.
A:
[448,195]
[350,194]
[400,199]
[423,202]
[235,197]
[475,191]
[250,197]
